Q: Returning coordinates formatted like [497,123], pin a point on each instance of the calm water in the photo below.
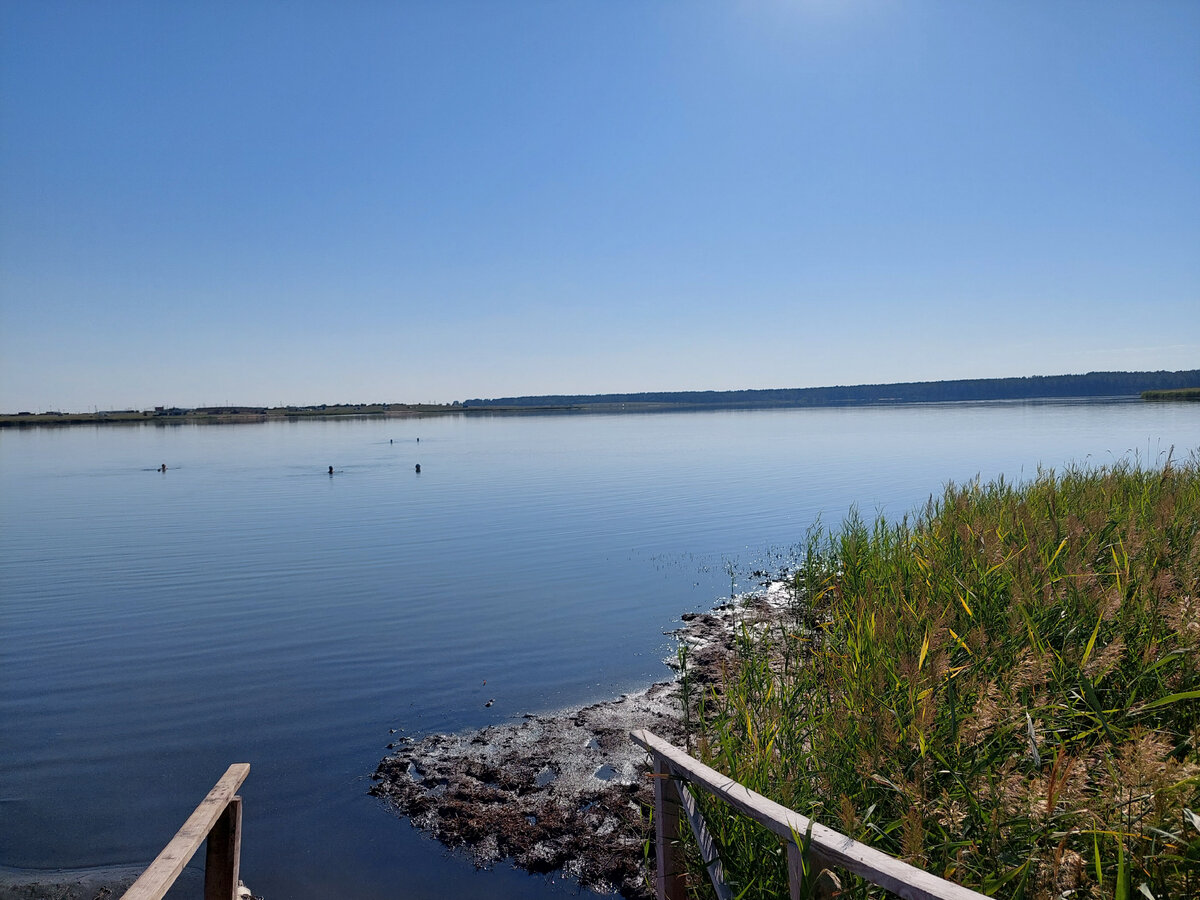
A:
[246,606]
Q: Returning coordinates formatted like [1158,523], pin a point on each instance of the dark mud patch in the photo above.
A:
[564,791]
[98,883]
[95,883]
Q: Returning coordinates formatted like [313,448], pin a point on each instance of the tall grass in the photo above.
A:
[1003,690]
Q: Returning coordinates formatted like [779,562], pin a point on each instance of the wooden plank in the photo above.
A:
[668,879]
[708,847]
[833,848]
[161,874]
[223,854]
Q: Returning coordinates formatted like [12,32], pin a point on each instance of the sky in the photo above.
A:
[267,203]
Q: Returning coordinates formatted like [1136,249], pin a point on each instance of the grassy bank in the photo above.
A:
[1003,690]
[1180,394]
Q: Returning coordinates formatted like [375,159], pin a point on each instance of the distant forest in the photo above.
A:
[1033,387]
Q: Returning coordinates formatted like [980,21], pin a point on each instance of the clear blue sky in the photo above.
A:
[307,202]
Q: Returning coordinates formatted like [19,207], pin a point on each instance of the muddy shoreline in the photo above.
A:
[568,790]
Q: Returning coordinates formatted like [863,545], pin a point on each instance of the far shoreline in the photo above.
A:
[256,416]
[1095,386]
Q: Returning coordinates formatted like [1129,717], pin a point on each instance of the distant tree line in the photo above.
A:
[1032,387]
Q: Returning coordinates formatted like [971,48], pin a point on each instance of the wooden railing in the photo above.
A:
[218,819]
[810,871]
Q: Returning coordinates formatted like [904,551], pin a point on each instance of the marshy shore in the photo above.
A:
[568,790]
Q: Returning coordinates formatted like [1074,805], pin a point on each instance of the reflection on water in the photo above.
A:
[244,605]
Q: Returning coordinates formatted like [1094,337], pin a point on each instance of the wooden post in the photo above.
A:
[795,871]
[825,884]
[668,880]
[154,883]
[223,854]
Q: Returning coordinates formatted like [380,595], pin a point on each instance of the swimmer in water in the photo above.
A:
[331,470]
[163,468]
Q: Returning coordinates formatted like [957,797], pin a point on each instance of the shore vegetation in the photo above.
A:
[1002,689]
[1179,394]
[210,415]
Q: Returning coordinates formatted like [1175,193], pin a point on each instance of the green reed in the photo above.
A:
[1003,689]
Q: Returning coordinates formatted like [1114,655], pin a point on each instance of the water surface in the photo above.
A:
[246,606]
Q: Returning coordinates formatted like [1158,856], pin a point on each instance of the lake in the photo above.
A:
[246,606]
